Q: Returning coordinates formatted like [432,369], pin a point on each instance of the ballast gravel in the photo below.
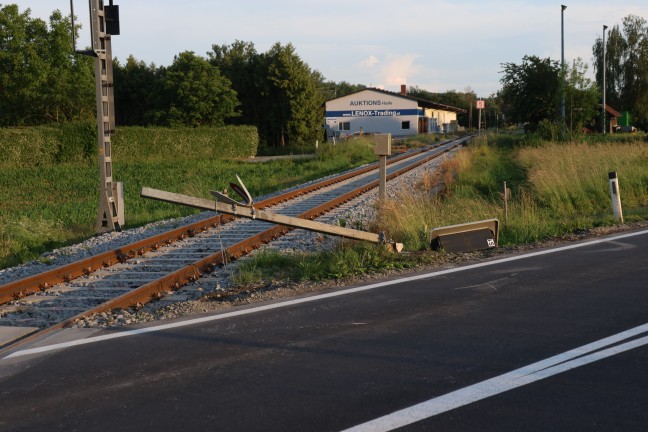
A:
[214,291]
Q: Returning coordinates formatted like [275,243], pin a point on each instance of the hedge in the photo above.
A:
[157,143]
[77,142]
[29,146]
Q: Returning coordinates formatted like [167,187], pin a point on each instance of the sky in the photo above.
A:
[434,45]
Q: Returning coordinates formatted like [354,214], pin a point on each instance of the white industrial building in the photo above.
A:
[374,110]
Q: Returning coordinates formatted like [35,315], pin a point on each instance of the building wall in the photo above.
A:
[443,118]
[373,112]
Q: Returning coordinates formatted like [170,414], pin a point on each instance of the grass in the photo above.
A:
[348,259]
[556,189]
[46,207]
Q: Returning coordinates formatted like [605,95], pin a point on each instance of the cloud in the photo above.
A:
[370,61]
[399,69]
[394,70]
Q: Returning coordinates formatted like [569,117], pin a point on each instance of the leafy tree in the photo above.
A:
[581,97]
[41,80]
[296,115]
[531,91]
[240,63]
[332,90]
[138,89]
[344,88]
[22,65]
[69,90]
[626,71]
[196,94]
[616,46]
[278,91]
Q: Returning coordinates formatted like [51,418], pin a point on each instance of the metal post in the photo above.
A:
[382,148]
[562,57]
[604,67]
[108,218]
[616,196]
[72,24]
[382,175]
[470,117]
[505,197]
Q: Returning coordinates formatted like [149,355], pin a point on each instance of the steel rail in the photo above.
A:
[41,282]
[192,272]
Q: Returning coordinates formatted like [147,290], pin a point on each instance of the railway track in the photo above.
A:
[158,266]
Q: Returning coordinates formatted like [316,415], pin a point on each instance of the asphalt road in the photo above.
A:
[554,341]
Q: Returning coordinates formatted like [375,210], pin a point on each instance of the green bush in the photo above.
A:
[28,147]
[157,143]
[77,143]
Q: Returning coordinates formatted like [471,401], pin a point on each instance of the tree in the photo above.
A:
[581,97]
[41,80]
[332,89]
[22,65]
[68,92]
[196,94]
[138,89]
[615,48]
[240,63]
[296,116]
[626,70]
[531,91]
[278,91]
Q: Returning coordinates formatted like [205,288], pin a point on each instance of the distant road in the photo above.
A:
[555,340]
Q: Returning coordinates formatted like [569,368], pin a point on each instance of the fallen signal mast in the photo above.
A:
[227,205]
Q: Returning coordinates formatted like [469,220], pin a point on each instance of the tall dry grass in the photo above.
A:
[556,189]
[574,177]
[412,213]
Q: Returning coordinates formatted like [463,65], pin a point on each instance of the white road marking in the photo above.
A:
[280,305]
[526,375]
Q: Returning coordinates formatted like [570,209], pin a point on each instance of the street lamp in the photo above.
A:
[562,56]
[603,111]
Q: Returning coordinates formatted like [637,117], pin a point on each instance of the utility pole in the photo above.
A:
[562,63]
[470,117]
[603,128]
[104,23]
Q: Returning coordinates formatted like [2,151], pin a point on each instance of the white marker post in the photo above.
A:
[616,196]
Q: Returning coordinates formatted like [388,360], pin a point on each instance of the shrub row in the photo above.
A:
[157,143]
[77,142]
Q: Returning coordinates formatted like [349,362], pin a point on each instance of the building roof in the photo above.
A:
[612,111]
[422,102]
